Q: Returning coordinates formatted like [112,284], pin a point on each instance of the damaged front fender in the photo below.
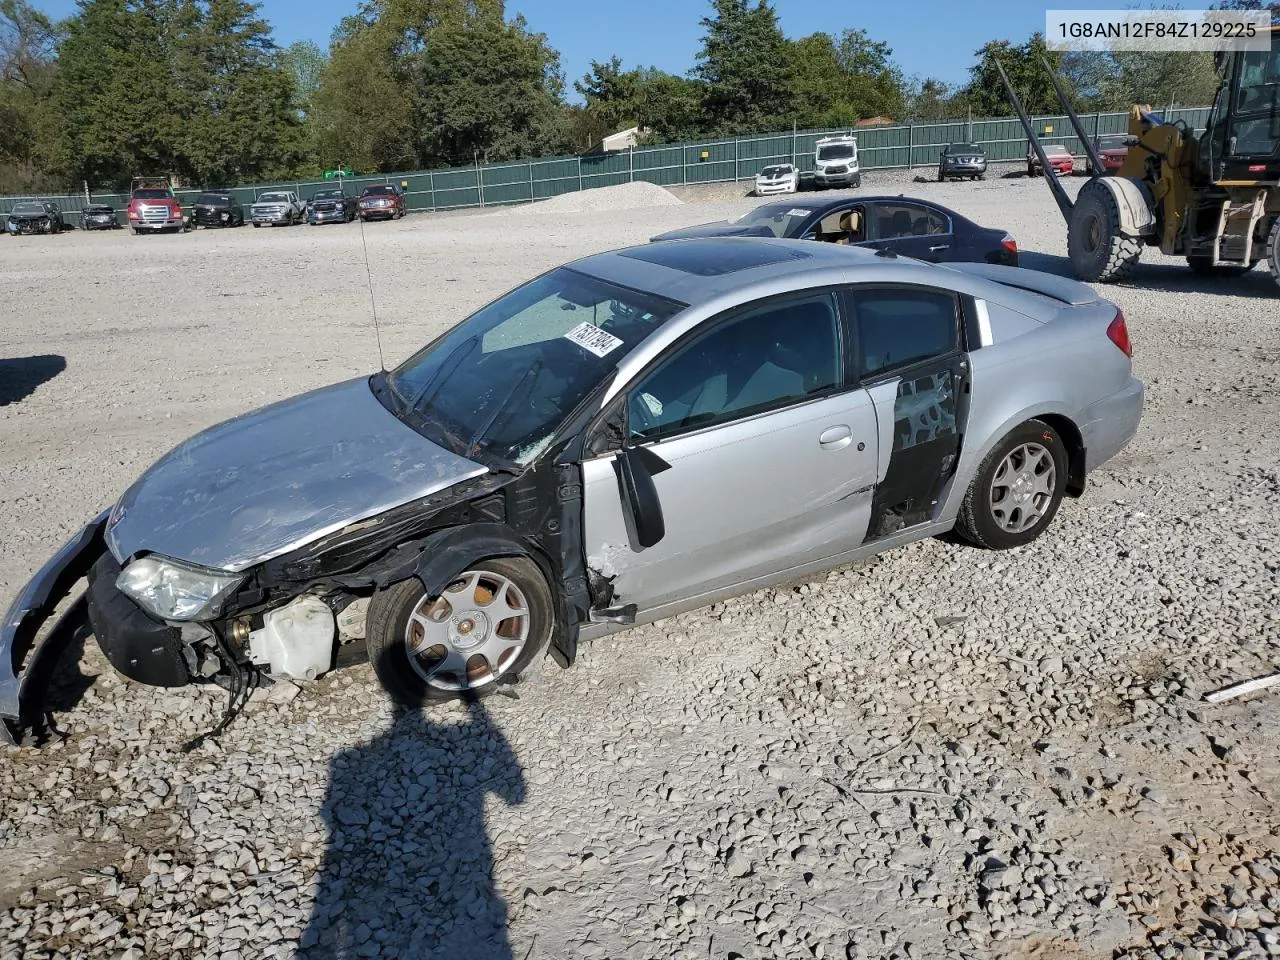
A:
[25,662]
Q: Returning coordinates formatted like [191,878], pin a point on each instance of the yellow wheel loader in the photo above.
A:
[1213,199]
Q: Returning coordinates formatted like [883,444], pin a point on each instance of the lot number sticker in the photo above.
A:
[592,338]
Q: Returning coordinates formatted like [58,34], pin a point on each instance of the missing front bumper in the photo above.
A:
[26,656]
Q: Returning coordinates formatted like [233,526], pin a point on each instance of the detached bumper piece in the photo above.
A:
[25,662]
[139,647]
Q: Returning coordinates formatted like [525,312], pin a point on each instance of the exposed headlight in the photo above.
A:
[175,591]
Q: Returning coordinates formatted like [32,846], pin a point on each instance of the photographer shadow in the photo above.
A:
[408,871]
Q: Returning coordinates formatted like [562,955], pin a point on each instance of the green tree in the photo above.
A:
[28,44]
[745,67]
[931,100]
[835,83]
[118,104]
[488,88]
[986,94]
[364,109]
[241,122]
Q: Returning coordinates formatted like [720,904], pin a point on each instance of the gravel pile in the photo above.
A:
[941,753]
[623,196]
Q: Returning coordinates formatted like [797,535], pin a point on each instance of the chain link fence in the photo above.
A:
[673,164]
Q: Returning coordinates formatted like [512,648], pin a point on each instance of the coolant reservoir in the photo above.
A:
[296,640]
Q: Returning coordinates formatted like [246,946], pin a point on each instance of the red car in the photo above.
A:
[383,202]
[1112,151]
[152,206]
[1060,159]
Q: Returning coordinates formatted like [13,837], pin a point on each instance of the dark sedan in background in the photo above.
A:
[99,216]
[962,160]
[331,206]
[217,209]
[905,225]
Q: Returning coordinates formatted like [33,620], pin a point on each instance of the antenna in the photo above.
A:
[373,303]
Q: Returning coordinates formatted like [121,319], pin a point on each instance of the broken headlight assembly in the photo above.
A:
[175,591]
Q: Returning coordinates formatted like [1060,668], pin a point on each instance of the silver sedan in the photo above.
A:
[632,435]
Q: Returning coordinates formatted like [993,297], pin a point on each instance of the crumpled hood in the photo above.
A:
[720,229]
[275,479]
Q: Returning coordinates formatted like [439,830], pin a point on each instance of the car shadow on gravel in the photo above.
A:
[20,376]
[408,871]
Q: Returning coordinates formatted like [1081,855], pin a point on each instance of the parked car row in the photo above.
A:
[154,208]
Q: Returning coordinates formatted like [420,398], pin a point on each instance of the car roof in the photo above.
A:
[826,204]
[700,270]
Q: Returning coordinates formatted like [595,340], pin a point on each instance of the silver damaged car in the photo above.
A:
[635,434]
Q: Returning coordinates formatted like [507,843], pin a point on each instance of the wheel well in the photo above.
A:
[1074,442]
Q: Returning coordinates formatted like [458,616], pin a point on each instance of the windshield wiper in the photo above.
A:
[448,363]
[531,376]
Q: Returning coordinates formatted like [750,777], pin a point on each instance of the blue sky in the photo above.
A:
[928,37]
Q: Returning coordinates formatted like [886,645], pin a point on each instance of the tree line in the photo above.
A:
[199,90]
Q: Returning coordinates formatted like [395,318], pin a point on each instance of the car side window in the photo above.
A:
[897,220]
[897,327]
[842,226]
[763,359]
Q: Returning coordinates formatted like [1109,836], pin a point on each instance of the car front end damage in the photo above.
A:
[271,214]
[28,225]
[273,582]
[27,654]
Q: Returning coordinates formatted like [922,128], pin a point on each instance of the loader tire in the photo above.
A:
[1273,250]
[1099,252]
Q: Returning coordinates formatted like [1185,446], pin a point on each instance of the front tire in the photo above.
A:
[491,624]
[1017,490]
[1099,252]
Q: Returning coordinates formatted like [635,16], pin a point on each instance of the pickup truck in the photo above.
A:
[278,206]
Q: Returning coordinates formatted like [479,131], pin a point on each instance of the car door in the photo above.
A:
[912,230]
[911,358]
[758,453]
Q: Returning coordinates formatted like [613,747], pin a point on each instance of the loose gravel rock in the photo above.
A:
[940,753]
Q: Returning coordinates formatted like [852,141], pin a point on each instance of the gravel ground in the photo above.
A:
[942,753]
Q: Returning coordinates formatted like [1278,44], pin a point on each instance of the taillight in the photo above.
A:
[1009,243]
[1118,334]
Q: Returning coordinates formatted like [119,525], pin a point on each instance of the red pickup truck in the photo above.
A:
[152,206]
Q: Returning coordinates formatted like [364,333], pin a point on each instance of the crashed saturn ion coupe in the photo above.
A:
[637,433]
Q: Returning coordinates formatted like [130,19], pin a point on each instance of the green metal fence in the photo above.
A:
[712,161]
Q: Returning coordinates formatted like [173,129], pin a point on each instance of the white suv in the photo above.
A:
[835,162]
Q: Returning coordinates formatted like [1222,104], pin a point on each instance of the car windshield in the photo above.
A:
[274,198]
[378,191]
[836,151]
[1055,150]
[213,200]
[782,219]
[27,208]
[776,171]
[964,148]
[152,194]
[327,195]
[503,380]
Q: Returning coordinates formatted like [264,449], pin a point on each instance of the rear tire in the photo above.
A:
[489,585]
[1098,251]
[1017,490]
[1272,255]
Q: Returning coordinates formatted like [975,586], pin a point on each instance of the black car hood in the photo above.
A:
[721,229]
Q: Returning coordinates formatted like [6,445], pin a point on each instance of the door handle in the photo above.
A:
[835,438]
[941,246]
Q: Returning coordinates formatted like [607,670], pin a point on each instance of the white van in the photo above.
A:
[835,162]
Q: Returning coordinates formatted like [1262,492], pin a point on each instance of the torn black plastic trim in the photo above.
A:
[24,660]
